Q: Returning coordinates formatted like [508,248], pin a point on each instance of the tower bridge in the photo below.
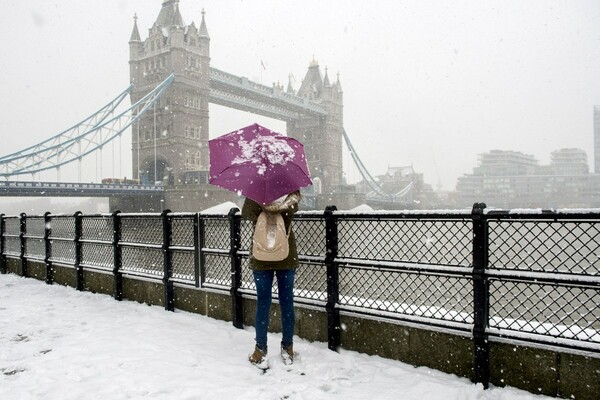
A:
[171,143]
[172,85]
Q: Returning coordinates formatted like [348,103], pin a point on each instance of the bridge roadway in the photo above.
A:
[70,189]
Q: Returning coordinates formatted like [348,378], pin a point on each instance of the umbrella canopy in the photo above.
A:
[258,163]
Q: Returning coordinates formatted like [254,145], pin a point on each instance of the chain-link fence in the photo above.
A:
[415,266]
[523,275]
[97,242]
[544,274]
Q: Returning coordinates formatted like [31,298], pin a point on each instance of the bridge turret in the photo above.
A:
[176,29]
[312,84]
[204,46]
[203,29]
[167,13]
[326,79]
[338,84]
[204,89]
[290,89]
[135,33]
[331,92]
[177,19]
[136,49]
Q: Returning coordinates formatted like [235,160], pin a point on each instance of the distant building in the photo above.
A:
[510,179]
[569,162]
[505,163]
[597,139]
[405,187]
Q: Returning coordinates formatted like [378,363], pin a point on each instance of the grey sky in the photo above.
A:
[425,82]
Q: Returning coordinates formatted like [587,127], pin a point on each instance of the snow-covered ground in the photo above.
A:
[57,343]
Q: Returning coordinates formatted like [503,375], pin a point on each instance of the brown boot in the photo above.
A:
[259,358]
[287,354]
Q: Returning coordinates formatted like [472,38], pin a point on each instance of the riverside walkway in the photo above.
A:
[59,343]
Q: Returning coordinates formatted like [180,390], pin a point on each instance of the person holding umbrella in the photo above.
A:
[264,272]
[268,169]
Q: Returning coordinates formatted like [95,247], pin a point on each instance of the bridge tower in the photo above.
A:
[170,143]
[322,135]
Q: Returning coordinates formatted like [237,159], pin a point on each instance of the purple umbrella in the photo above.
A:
[258,163]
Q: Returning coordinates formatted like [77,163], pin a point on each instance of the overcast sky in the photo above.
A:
[427,83]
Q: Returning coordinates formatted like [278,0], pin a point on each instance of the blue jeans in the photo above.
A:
[264,284]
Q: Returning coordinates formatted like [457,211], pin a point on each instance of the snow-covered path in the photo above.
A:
[57,343]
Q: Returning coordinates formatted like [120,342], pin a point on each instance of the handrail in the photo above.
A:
[456,259]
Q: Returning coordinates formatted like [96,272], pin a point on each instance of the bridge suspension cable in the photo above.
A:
[361,167]
[64,137]
[82,139]
[379,192]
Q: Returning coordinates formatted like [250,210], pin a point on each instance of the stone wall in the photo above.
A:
[131,204]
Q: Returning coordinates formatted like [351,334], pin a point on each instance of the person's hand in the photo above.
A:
[291,200]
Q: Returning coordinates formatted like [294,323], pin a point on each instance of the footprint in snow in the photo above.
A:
[20,338]
[8,371]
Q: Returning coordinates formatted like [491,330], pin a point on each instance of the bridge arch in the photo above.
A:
[155,170]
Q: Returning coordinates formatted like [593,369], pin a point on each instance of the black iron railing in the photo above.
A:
[527,275]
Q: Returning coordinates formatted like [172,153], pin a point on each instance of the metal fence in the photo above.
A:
[527,275]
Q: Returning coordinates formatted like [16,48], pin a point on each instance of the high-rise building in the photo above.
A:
[597,139]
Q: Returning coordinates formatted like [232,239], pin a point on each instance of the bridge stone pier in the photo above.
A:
[170,142]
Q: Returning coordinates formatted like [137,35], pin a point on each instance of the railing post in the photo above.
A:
[167,260]
[48,248]
[117,260]
[2,256]
[22,232]
[236,267]
[198,246]
[333,313]
[78,232]
[481,295]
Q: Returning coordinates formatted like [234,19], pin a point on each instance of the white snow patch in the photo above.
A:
[264,149]
[222,208]
[57,343]
[363,208]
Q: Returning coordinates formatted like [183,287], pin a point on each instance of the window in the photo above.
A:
[192,62]
[192,132]
[192,161]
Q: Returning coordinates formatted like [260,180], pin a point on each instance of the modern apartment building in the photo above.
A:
[511,179]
